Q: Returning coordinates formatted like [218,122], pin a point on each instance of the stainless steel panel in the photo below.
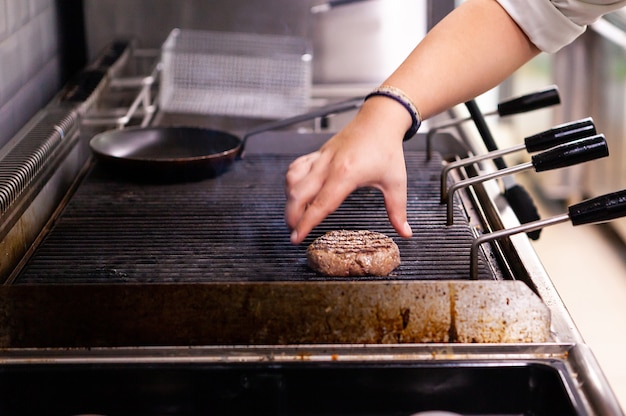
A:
[366,41]
[150,21]
[353,43]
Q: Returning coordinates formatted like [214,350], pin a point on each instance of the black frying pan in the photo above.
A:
[184,153]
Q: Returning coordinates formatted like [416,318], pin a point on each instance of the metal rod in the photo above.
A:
[143,100]
[456,122]
[449,123]
[478,179]
[496,235]
[473,159]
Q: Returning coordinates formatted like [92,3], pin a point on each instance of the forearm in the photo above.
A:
[469,52]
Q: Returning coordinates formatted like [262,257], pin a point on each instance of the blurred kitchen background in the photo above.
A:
[44,43]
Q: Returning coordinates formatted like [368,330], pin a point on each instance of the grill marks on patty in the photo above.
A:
[342,242]
[353,253]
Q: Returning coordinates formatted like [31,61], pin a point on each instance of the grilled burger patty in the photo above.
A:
[353,253]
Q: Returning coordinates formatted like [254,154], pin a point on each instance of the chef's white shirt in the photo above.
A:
[552,24]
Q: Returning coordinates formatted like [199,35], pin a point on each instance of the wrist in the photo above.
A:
[382,118]
[398,96]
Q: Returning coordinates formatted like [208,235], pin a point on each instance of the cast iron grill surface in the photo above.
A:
[231,229]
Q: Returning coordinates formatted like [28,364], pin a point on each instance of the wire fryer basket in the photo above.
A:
[235,74]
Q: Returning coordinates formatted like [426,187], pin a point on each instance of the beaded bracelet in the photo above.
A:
[399,96]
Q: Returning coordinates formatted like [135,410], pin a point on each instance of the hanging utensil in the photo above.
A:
[600,209]
[518,105]
[545,140]
[568,154]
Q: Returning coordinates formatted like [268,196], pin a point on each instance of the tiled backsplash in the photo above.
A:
[29,61]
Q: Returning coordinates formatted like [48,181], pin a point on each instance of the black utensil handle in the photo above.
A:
[324,7]
[518,198]
[572,153]
[599,209]
[536,100]
[336,3]
[560,134]
[483,130]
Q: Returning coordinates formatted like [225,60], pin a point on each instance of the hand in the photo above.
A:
[367,152]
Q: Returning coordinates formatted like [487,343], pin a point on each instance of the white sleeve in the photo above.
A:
[552,24]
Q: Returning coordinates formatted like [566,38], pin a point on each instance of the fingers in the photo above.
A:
[325,202]
[394,189]
[330,197]
[395,203]
[316,184]
[312,192]
[301,186]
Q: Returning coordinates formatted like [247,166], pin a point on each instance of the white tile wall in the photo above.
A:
[48,30]
[37,6]
[10,67]
[17,14]
[4,29]
[29,61]
[32,60]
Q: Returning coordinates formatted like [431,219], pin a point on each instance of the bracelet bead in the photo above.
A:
[399,96]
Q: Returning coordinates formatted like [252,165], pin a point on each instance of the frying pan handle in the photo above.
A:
[326,110]
[599,209]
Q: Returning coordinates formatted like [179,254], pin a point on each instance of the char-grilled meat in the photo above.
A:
[353,253]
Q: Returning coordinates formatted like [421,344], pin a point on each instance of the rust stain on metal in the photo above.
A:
[368,312]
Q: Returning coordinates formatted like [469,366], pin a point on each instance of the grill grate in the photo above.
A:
[231,229]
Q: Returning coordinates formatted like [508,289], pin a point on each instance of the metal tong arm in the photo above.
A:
[496,235]
[568,154]
[599,209]
[478,179]
[469,161]
[525,103]
[545,140]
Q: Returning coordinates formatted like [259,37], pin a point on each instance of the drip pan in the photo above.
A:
[539,387]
